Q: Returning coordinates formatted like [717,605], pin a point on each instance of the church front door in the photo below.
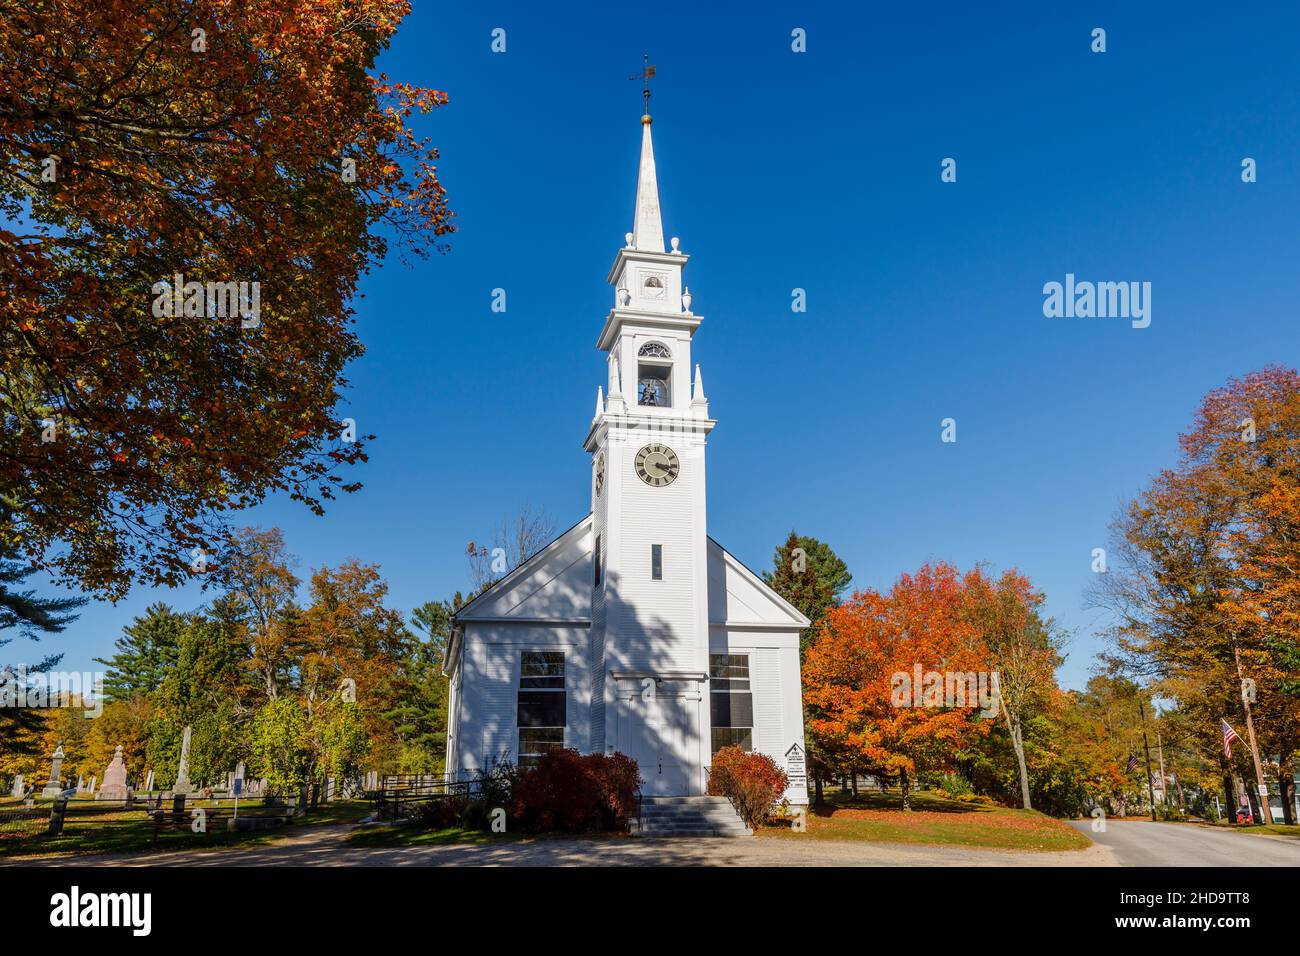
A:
[658,728]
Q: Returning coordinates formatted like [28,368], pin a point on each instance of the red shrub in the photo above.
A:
[576,793]
[752,782]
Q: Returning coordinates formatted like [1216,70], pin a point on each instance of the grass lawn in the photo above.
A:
[89,830]
[1272,829]
[394,836]
[877,817]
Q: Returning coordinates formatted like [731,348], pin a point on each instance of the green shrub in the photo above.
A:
[752,782]
[954,786]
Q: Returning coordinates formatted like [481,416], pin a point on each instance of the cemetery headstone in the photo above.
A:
[53,788]
[182,784]
[18,789]
[115,787]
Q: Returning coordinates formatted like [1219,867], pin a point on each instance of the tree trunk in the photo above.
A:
[819,797]
[1286,787]
[1229,795]
[907,789]
[855,785]
[1022,771]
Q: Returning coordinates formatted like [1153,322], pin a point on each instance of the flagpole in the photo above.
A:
[1147,749]
[1264,809]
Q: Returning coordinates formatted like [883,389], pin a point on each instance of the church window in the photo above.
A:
[731,701]
[654,350]
[657,562]
[541,710]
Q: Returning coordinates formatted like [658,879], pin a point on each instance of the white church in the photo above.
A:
[634,631]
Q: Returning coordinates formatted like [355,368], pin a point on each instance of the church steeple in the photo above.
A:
[648,227]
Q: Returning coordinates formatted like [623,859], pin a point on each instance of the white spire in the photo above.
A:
[648,227]
[600,401]
[698,394]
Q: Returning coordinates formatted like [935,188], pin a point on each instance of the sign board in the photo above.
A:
[796,767]
[239,785]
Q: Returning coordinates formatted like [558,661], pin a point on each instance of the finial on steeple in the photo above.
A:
[647,72]
[698,395]
[648,227]
[600,401]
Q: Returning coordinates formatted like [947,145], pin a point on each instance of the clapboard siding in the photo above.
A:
[489,693]
[769,725]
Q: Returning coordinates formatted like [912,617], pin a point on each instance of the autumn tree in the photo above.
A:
[353,647]
[260,582]
[1023,650]
[190,191]
[1203,589]
[852,676]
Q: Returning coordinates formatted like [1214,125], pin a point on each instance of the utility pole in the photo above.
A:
[1264,809]
[1146,748]
[1164,781]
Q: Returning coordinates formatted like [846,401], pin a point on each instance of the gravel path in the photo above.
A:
[327,846]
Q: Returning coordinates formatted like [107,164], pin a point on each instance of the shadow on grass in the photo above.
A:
[876,800]
[131,831]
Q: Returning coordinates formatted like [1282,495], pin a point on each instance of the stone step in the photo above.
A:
[696,832]
[690,818]
[672,801]
[693,816]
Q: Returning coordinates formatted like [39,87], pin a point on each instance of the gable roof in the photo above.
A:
[738,597]
[554,587]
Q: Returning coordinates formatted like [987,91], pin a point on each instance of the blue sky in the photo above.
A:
[821,171]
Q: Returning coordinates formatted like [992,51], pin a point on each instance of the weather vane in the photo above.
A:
[647,71]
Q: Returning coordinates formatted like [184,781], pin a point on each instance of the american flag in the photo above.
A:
[1229,735]
[1132,762]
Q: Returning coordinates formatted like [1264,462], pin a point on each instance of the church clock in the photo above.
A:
[657,465]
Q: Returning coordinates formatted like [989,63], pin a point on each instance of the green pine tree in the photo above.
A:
[810,576]
[145,652]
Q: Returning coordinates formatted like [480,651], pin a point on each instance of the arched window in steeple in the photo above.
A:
[654,375]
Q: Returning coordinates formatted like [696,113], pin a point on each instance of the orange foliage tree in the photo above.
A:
[852,677]
[224,141]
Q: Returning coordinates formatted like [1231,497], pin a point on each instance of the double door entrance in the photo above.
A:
[658,727]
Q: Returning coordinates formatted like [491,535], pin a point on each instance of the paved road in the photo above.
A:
[326,846]
[1143,843]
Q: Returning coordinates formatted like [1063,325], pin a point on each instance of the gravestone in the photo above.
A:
[115,787]
[53,788]
[148,781]
[18,789]
[81,783]
[329,790]
[93,780]
[182,784]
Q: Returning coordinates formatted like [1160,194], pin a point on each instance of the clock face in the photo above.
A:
[657,465]
[600,472]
